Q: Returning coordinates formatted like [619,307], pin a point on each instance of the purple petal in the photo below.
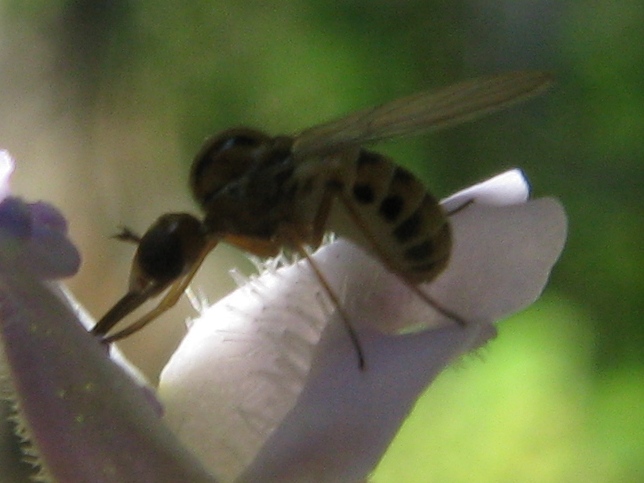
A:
[46,217]
[15,221]
[33,237]
[87,420]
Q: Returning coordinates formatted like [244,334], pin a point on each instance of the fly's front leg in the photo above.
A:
[290,238]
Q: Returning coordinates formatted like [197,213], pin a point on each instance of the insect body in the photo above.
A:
[282,202]
[263,194]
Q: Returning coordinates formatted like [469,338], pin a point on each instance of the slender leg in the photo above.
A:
[127,235]
[334,299]
[292,239]
[384,259]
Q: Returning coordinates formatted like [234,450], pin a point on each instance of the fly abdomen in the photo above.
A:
[397,218]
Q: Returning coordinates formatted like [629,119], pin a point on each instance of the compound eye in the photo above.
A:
[224,159]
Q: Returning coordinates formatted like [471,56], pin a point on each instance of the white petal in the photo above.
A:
[506,188]
[346,418]
[502,258]
[242,368]
[240,371]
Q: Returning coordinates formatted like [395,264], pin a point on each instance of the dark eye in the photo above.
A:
[224,159]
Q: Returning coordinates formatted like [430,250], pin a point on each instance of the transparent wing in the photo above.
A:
[421,112]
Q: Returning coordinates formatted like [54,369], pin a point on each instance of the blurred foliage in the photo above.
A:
[559,395]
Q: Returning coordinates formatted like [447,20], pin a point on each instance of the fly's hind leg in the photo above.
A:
[372,239]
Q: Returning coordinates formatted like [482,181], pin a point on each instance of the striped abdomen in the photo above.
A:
[396,218]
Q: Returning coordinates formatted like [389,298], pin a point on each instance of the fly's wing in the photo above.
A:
[421,112]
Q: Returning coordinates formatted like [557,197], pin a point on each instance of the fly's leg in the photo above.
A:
[313,237]
[355,341]
[382,256]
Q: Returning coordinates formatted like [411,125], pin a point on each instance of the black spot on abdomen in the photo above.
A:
[420,252]
[391,207]
[408,229]
[363,193]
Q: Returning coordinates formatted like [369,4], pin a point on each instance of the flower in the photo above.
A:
[31,232]
[84,418]
[266,385]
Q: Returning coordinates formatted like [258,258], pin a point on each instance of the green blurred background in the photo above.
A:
[104,103]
